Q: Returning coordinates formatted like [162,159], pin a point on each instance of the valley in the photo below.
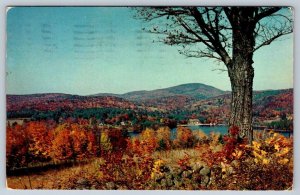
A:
[171,106]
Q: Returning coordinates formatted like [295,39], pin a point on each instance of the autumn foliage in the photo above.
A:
[72,141]
[17,146]
[184,138]
[117,161]
[42,141]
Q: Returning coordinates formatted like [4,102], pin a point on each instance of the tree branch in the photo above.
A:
[210,34]
[265,13]
[270,40]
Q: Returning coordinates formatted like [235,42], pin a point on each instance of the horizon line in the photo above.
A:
[95,94]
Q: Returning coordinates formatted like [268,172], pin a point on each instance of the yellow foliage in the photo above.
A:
[105,143]
[163,133]
[283,161]
[281,154]
[265,161]
[277,147]
[223,166]
[256,145]
[269,140]
[256,154]
[200,134]
[237,153]
[263,153]
[285,150]
[148,133]
[215,138]
[156,168]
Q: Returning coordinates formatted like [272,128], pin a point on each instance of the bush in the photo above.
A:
[184,138]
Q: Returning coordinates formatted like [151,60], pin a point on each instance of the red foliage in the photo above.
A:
[231,144]
[17,145]
[234,131]
[53,102]
[184,163]
[127,168]
[117,140]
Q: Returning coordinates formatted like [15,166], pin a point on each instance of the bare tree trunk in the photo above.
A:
[241,75]
[241,102]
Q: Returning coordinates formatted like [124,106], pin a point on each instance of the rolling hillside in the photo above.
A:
[44,102]
[190,90]
[193,97]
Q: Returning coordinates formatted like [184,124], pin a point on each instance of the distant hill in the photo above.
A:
[194,97]
[261,99]
[164,99]
[196,91]
[54,101]
[274,102]
[267,104]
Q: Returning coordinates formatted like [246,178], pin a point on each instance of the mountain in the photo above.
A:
[191,91]
[163,99]
[54,101]
[274,103]
[267,105]
[192,97]
[261,99]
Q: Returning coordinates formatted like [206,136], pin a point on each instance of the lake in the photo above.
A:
[207,130]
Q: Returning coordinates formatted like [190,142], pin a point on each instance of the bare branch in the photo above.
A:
[265,12]
[271,39]
[200,54]
[213,27]
[189,30]
[220,69]
[211,35]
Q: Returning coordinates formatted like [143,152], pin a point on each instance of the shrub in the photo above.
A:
[163,135]
[72,142]
[184,138]
[264,165]
[17,146]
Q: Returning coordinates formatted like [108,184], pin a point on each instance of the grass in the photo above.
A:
[55,178]
[171,157]
[66,178]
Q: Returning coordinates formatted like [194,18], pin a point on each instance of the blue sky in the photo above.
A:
[92,50]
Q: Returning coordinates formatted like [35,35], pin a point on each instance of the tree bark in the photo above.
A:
[241,102]
[241,73]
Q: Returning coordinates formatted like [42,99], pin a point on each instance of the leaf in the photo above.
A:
[283,161]
[265,161]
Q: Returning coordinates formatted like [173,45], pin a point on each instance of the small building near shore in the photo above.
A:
[194,122]
[19,121]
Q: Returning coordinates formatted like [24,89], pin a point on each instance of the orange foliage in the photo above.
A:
[163,137]
[40,140]
[184,137]
[71,141]
[148,141]
[17,144]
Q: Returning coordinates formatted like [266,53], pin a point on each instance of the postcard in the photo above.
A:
[149,98]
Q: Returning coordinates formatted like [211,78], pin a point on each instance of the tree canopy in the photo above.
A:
[208,31]
[227,34]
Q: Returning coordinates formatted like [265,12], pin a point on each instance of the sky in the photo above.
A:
[89,50]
